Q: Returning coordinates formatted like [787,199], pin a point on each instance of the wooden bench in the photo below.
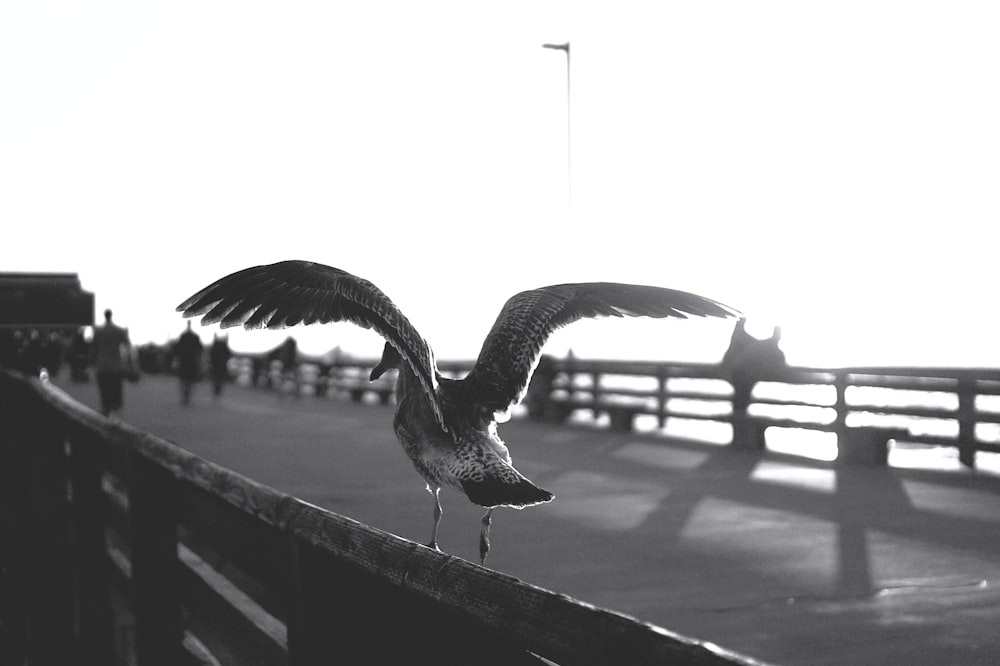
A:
[862,445]
[622,415]
[357,388]
[867,445]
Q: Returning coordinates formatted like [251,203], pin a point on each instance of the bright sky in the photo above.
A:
[830,167]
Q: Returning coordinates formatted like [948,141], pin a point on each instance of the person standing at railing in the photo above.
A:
[749,360]
[188,353]
[111,353]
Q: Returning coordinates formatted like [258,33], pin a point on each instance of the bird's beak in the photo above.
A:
[379,370]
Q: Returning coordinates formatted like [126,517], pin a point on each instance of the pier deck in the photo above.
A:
[786,559]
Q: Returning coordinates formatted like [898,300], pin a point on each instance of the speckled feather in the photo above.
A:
[302,292]
[474,460]
[514,344]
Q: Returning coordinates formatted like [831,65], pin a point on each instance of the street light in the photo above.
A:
[569,153]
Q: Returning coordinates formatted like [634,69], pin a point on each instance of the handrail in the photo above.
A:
[292,582]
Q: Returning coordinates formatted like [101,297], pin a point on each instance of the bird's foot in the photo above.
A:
[433,545]
[484,537]
[484,550]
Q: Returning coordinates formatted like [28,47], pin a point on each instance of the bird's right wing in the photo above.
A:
[511,351]
[302,292]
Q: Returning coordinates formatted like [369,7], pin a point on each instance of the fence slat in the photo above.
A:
[92,566]
[155,567]
[250,552]
[230,625]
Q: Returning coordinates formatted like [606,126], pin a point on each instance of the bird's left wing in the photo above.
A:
[302,292]
[510,353]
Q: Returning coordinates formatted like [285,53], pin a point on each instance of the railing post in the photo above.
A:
[94,619]
[155,566]
[310,639]
[747,434]
[322,380]
[661,396]
[967,421]
[570,370]
[840,422]
[595,392]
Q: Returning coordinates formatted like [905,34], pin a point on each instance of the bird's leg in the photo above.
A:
[484,536]
[437,517]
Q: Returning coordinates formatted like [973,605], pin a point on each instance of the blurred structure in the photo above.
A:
[40,315]
[44,301]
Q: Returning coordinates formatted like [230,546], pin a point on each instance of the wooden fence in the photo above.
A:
[865,406]
[121,548]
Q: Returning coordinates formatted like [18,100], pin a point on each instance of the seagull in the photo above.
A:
[447,427]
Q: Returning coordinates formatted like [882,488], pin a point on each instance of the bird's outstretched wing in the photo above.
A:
[302,292]
[501,374]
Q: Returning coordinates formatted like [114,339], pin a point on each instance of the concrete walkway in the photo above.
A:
[781,558]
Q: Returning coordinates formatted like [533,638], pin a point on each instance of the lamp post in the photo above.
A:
[569,134]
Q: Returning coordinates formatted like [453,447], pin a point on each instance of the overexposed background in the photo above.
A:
[832,168]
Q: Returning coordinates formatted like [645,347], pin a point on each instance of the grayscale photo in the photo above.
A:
[529,333]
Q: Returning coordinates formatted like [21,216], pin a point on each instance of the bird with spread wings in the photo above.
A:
[447,427]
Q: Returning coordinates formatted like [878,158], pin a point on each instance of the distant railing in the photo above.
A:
[865,406]
[121,548]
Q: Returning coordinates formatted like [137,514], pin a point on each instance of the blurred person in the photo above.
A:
[79,353]
[188,351]
[111,354]
[32,353]
[55,352]
[9,344]
[288,354]
[218,360]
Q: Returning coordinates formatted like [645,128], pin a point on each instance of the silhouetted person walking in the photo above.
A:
[188,353]
[288,355]
[111,352]
[218,359]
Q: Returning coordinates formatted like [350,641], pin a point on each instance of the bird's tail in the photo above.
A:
[515,492]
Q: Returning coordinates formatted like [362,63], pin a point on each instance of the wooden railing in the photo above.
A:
[120,548]
[865,406]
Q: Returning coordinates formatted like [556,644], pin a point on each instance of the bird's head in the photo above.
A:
[390,359]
